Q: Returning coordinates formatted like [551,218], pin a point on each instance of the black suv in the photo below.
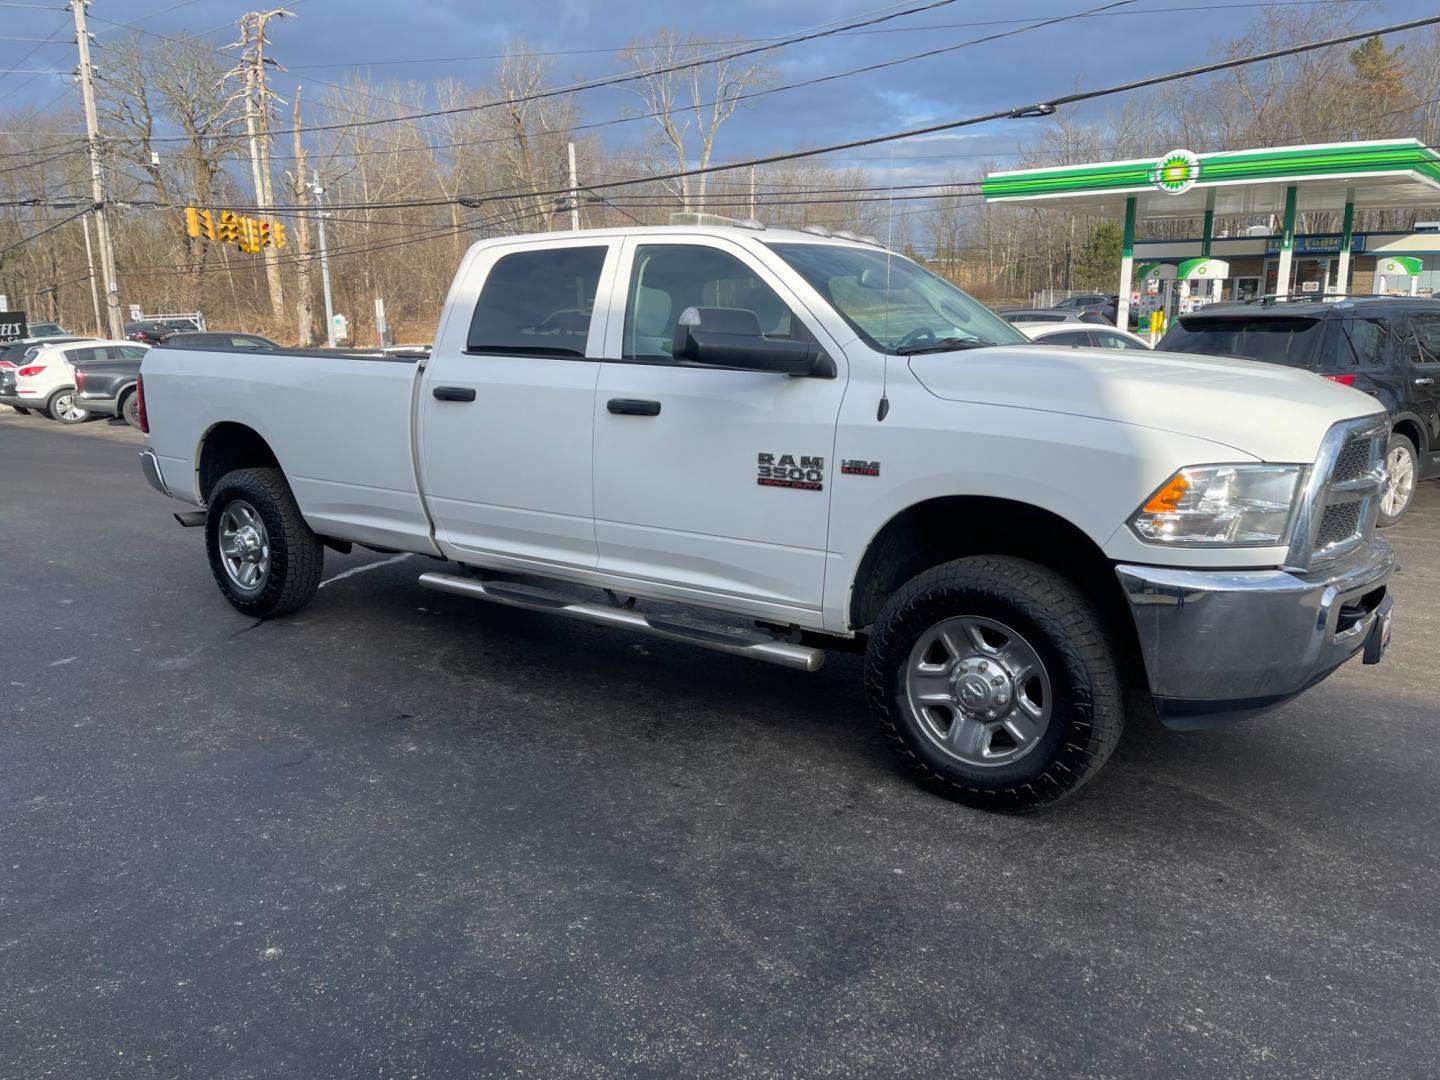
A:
[1387,346]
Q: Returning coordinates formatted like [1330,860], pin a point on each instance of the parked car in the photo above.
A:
[1107,307]
[105,379]
[1385,346]
[47,330]
[1049,315]
[841,457]
[219,339]
[13,355]
[45,381]
[1095,337]
[154,331]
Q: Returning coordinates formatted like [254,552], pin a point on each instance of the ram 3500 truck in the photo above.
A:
[833,446]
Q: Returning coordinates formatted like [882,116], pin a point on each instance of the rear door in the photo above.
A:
[1422,359]
[506,408]
[686,458]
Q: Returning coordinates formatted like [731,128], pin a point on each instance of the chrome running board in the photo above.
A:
[752,644]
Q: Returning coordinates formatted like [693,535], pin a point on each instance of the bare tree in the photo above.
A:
[690,98]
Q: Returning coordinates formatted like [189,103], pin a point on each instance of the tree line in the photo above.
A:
[406,194]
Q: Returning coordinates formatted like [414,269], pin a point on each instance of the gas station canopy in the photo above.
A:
[1386,175]
[1389,174]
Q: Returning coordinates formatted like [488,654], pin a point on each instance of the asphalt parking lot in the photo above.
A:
[402,834]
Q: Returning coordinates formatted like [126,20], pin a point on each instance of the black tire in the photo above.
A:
[1400,445]
[296,555]
[54,400]
[130,409]
[1086,708]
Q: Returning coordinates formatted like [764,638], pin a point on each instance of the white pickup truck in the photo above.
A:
[775,443]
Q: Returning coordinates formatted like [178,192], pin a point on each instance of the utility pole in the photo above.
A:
[574,190]
[90,265]
[97,178]
[752,192]
[319,193]
[301,192]
[257,127]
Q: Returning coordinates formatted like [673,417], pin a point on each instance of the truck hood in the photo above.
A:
[1268,411]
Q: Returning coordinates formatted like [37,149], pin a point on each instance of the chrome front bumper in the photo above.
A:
[150,466]
[1221,645]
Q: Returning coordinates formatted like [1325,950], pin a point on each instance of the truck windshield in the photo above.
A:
[1274,339]
[893,304]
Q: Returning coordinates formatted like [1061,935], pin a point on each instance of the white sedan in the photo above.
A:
[1069,333]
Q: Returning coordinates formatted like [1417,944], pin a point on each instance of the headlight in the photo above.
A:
[1222,506]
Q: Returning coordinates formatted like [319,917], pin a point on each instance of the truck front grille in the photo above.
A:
[1347,503]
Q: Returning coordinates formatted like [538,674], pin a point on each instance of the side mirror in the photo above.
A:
[731,338]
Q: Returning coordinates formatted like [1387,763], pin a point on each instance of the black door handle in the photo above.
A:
[454,393]
[633,406]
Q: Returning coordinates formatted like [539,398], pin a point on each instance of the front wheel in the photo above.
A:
[64,406]
[1400,491]
[993,679]
[263,556]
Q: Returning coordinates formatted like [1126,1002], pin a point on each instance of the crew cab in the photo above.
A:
[675,430]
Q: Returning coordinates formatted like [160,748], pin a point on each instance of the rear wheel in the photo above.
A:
[130,410]
[263,556]
[993,680]
[1400,462]
[65,407]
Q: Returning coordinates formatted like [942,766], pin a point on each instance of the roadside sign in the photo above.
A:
[12,325]
[4,301]
[135,315]
[341,326]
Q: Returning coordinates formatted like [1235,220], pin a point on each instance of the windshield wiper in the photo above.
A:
[949,344]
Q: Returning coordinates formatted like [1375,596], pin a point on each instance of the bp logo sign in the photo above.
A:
[1177,172]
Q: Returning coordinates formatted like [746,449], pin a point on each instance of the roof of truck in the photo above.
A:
[762,233]
[1318,308]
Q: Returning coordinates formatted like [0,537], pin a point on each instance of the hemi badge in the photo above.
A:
[856,467]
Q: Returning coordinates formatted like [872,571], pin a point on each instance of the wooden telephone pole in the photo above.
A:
[97,177]
[257,97]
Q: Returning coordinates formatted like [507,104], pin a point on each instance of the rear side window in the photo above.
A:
[1117,341]
[1364,343]
[1273,339]
[1425,338]
[80,356]
[538,303]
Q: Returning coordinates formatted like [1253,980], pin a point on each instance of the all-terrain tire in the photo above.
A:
[1086,711]
[296,557]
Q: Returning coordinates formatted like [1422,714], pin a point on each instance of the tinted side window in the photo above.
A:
[538,303]
[668,278]
[1425,339]
[1067,337]
[80,356]
[1364,343]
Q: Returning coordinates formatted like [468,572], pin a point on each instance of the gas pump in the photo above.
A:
[1398,274]
[1154,291]
[1200,282]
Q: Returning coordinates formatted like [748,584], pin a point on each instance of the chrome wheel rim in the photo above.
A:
[978,691]
[244,546]
[66,409]
[1401,465]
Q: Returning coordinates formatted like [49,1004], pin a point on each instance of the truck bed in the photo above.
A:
[346,418]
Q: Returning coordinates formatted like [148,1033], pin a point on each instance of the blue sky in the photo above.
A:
[329,37]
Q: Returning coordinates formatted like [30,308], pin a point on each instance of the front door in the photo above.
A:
[507,405]
[708,480]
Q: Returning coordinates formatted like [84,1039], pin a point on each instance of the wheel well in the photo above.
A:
[937,531]
[125,392]
[1411,431]
[230,446]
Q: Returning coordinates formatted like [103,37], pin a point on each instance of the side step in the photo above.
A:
[755,645]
